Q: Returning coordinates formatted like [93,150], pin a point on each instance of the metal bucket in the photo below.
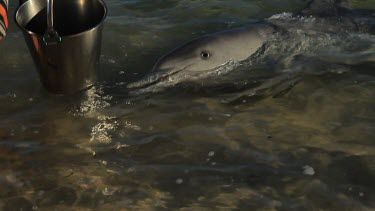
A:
[72,63]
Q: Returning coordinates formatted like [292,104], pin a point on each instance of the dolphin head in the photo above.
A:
[197,58]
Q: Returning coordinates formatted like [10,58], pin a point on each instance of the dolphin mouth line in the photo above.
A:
[153,81]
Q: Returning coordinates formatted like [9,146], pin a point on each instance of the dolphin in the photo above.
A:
[197,58]
[210,54]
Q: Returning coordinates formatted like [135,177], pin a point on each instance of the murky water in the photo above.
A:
[303,139]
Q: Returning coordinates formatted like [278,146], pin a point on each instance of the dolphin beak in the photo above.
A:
[157,75]
[153,78]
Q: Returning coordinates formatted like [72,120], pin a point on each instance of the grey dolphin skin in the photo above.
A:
[199,56]
[203,56]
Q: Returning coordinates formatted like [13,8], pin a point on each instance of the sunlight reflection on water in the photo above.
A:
[305,145]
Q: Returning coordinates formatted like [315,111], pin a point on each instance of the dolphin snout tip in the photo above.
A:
[154,77]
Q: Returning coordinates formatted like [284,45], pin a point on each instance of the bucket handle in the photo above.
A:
[50,37]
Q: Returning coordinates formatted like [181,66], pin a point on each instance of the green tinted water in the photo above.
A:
[311,147]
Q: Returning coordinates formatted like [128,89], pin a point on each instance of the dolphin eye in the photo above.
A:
[205,55]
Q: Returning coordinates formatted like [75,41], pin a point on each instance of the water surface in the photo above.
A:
[248,141]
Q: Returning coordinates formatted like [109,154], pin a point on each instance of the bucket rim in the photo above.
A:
[99,24]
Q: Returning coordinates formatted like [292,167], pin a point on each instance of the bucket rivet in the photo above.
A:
[50,37]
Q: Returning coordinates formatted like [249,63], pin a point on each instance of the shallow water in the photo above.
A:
[303,139]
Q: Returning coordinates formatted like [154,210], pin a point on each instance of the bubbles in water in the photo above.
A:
[103,162]
[120,145]
[101,131]
[95,99]
[308,170]
[179,181]
[108,191]
[284,15]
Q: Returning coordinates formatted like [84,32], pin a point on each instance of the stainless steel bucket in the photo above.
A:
[71,64]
